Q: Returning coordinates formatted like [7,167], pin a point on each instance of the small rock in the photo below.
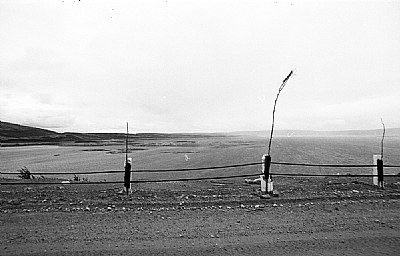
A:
[265,196]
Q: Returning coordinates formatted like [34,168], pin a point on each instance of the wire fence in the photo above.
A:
[204,178]
[195,179]
[144,170]
[209,168]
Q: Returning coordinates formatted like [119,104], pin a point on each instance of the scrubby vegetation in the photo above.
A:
[24,173]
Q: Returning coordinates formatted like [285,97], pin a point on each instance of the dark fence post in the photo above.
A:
[128,165]
[267,182]
[127,176]
[379,165]
[267,164]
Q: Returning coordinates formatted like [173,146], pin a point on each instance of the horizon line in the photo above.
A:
[214,132]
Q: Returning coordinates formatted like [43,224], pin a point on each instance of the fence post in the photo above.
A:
[127,166]
[127,175]
[379,164]
[266,182]
[377,171]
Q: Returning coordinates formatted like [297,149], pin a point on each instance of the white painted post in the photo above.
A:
[270,185]
[375,170]
[263,184]
[262,177]
[267,185]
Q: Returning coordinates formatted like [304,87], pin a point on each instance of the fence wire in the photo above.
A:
[208,168]
[204,178]
[194,179]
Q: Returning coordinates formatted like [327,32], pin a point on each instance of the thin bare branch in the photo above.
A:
[126,143]
[273,112]
[383,137]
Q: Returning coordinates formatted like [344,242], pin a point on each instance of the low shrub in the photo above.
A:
[24,173]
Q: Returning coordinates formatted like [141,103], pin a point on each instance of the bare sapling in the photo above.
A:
[273,112]
[379,162]
[383,137]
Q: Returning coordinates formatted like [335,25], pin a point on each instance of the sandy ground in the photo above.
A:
[311,216]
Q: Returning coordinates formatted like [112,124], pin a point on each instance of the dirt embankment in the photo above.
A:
[311,216]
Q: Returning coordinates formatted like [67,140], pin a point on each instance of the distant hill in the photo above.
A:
[10,130]
[15,134]
[18,135]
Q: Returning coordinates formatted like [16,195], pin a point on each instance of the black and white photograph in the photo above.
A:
[199,127]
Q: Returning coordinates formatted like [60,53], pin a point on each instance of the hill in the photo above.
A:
[10,134]
[20,135]
[10,130]
[15,134]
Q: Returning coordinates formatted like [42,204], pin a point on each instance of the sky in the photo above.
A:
[199,66]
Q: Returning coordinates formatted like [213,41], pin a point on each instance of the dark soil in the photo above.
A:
[310,216]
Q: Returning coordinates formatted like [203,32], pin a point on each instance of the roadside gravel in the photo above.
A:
[311,216]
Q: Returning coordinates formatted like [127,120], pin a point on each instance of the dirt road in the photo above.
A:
[327,218]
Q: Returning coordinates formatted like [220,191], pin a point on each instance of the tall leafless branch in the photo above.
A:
[383,137]
[273,112]
[126,143]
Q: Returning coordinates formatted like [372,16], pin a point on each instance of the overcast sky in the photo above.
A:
[199,66]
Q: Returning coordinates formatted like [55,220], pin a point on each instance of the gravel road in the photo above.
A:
[310,217]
